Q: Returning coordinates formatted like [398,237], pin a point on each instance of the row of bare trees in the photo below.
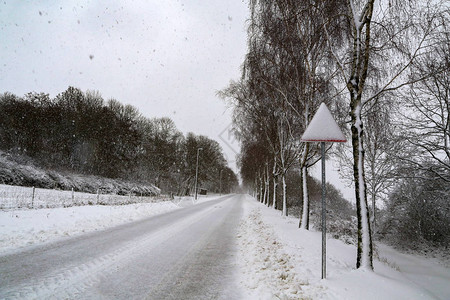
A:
[380,66]
[79,132]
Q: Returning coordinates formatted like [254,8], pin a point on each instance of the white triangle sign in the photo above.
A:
[323,128]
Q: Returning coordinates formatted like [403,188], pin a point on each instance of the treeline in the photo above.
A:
[383,72]
[81,132]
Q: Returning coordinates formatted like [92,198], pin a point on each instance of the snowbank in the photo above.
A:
[280,261]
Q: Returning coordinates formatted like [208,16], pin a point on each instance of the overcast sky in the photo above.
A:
[167,58]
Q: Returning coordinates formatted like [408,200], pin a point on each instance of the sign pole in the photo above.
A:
[324,216]
[323,128]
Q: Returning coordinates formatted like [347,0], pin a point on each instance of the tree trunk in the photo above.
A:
[373,196]
[356,82]
[304,218]
[364,252]
[260,190]
[274,204]
[265,191]
[373,214]
[284,211]
[304,224]
[255,190]
[275,183]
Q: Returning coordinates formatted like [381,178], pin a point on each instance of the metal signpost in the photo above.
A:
[323,128]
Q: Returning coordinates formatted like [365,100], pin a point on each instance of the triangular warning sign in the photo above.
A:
[323,128]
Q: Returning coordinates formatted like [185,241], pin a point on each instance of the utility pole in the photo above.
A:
[220,181]
[196,172]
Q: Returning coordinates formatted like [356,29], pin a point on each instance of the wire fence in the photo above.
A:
[18,197]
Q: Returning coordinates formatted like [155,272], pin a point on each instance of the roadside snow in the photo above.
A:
[280,261]
[268,271]
[21,228]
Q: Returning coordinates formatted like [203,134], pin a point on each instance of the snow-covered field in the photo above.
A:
[24,227]
[280,261]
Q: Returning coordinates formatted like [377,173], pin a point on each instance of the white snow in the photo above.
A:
[277,260]
[323,128]
[25,227]
[280,261]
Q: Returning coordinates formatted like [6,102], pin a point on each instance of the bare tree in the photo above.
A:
[378,33]
[380,153]
[426,111]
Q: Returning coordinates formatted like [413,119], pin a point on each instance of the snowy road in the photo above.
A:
[189,253]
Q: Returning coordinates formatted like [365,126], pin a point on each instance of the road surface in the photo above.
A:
[189,253]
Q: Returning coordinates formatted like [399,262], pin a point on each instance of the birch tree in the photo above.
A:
[376,34]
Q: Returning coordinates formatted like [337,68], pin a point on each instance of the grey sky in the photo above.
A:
[167,58]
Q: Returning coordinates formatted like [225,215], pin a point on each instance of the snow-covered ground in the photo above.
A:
[277,260]
[25,227]
[280,261]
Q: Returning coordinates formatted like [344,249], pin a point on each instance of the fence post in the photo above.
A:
[32,198]
[73,197]
[98,196]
